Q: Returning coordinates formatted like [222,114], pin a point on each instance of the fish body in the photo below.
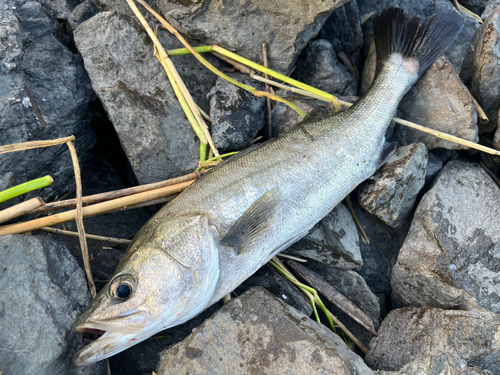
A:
[230,222]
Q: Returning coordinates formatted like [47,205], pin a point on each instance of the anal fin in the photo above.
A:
[253,222]
[387,151]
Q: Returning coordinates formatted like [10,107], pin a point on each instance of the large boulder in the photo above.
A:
[258,333]
[413,334]
[450,256]
[286,27]
[137,96]
[45,93]
[43,292]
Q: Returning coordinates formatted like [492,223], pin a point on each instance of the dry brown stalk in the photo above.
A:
[349,64]
[168,61]
[34,144]
[238,66]
[268,101]
[145,204]
[79,219]
[117,241]
[483,119]
[20,209]
[96,198]
[95,209]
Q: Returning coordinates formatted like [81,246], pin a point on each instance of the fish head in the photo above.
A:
[167,276]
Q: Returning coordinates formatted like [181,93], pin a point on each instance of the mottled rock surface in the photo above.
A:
[285,27]
[445,364]
[391,193]
[43,291]
[480,69]
[411,334]
[138,97]
[439,100]
[257,333]
[318,66]
[237,115]
[45,93]
[333,241]
[450,256]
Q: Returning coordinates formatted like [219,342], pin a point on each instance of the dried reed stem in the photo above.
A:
[34,144]
[20,209]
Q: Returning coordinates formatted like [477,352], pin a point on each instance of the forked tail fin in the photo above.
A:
[421,40]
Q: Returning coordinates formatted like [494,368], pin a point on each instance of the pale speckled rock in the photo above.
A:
[241,27]
[439,101]
[446,364]
[318,66]
[411,334]
[256,333]
[237,115]
[391,193]
[138,98]
[450,258]
[43,291]
[480,69]
[333,241]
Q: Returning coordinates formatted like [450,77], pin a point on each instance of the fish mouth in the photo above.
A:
[109,343]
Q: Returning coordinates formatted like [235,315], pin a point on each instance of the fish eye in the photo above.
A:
[122,286]
[123,291]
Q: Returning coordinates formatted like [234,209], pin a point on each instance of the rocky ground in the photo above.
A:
[423,295]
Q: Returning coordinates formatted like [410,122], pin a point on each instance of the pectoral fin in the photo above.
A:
[252,223]
[388,150]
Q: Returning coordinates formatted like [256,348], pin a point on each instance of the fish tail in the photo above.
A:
[417,41]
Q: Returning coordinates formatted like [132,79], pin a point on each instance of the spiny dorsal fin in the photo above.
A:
[252,223]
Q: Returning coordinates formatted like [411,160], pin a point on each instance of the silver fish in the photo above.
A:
[228,224]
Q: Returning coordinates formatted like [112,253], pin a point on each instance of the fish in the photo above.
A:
[234,219]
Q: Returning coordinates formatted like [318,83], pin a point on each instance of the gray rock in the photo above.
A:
[333,241]
[343,29]
[439,101]
[257,333]
[285,118]
[450,256]
[351,285]
[81,13]
[237,115]
[391,193]
[242,27]
[480,70]
[446,364]
[496,138]
[456,52]
[137,95]
[45,93]
[269,278]
[476,6]
[381,254]
[434,165]
[411,334]
[43,291]
[489,8]
[60,9]
[319,67]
